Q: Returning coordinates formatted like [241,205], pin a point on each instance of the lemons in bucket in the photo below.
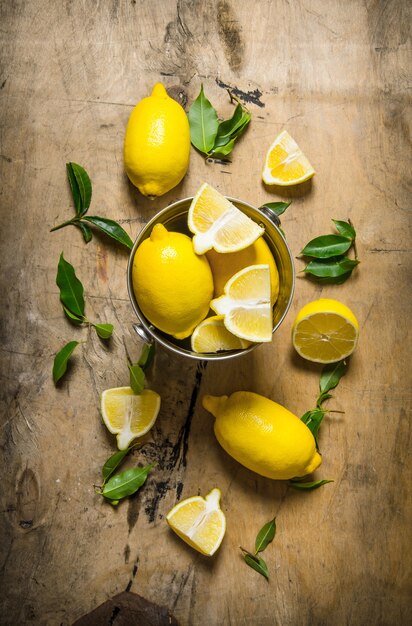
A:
[173,285]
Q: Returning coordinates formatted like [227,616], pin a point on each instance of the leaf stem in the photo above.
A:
[236,99]
[353,241]
[63,224]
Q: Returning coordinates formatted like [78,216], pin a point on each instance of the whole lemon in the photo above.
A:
[172,284]
[262,435]
[157,143]
[224,266]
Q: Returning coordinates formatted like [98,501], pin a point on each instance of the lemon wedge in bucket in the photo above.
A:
[212,336]
[246,304]
[217,223]
[128,415]
[200,522]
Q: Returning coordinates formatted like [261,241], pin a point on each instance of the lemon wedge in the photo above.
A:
[212,336]
[200,522]
[217,223]
[325,331]
[128,415]
[246,305]
[285,163]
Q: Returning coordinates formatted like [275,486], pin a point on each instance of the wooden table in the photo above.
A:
[335,75]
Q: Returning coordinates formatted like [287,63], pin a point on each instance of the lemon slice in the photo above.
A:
[285,163]
[200,522]
[212,336]
[246,305]
[217,223]
[325,331]
[129,415]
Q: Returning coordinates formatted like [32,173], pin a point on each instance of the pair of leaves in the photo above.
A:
[329,262]
[264,537]
[137,370]
[210,136]
[72,299]
[123,484]
[329,379]
[81,188]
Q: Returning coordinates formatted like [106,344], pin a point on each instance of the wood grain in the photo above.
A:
[337,76]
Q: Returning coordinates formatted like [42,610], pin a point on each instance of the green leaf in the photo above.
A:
[338,280]
[331,375]
[313,420]
[147,356]
[203,123]
[136,378]
[86,231]
[345,229]
[113,463]
[308,486]
[126,483]
[277,207]
[322,398]
[229,130]
[104,331]
[61,359]
[227,127]
[327,246]
[74,188]
[256,563]
[331,268]
[111,228]
[223,151]
[71,289]
[75,319]
[84,185]
[265,536]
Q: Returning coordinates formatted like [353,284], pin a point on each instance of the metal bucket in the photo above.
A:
[174,218]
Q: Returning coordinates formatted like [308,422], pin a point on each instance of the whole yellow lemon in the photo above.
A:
[172,284]
[157,143]
[262,435]
[224,266]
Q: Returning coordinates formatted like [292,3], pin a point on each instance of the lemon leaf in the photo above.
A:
[61,359]
[327,268]
[137,378]
[313,420]
[104,331]
[110,228]
[203,122]
[86,231]
[71,289]
[147,356]
[345,228]
[331,375]
[326,246]
[265,536]
[83,195]
[278,208]
[113,463]
[126,483]
[256,563]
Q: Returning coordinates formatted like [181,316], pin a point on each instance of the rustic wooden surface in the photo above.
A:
[335,75]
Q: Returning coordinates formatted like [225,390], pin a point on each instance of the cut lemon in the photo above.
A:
[212,336]
[200,522]
[285,163]
[217,223]
[246,306]
[325,331]
[129,415]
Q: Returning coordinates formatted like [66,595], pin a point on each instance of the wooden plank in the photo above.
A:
[336,75]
